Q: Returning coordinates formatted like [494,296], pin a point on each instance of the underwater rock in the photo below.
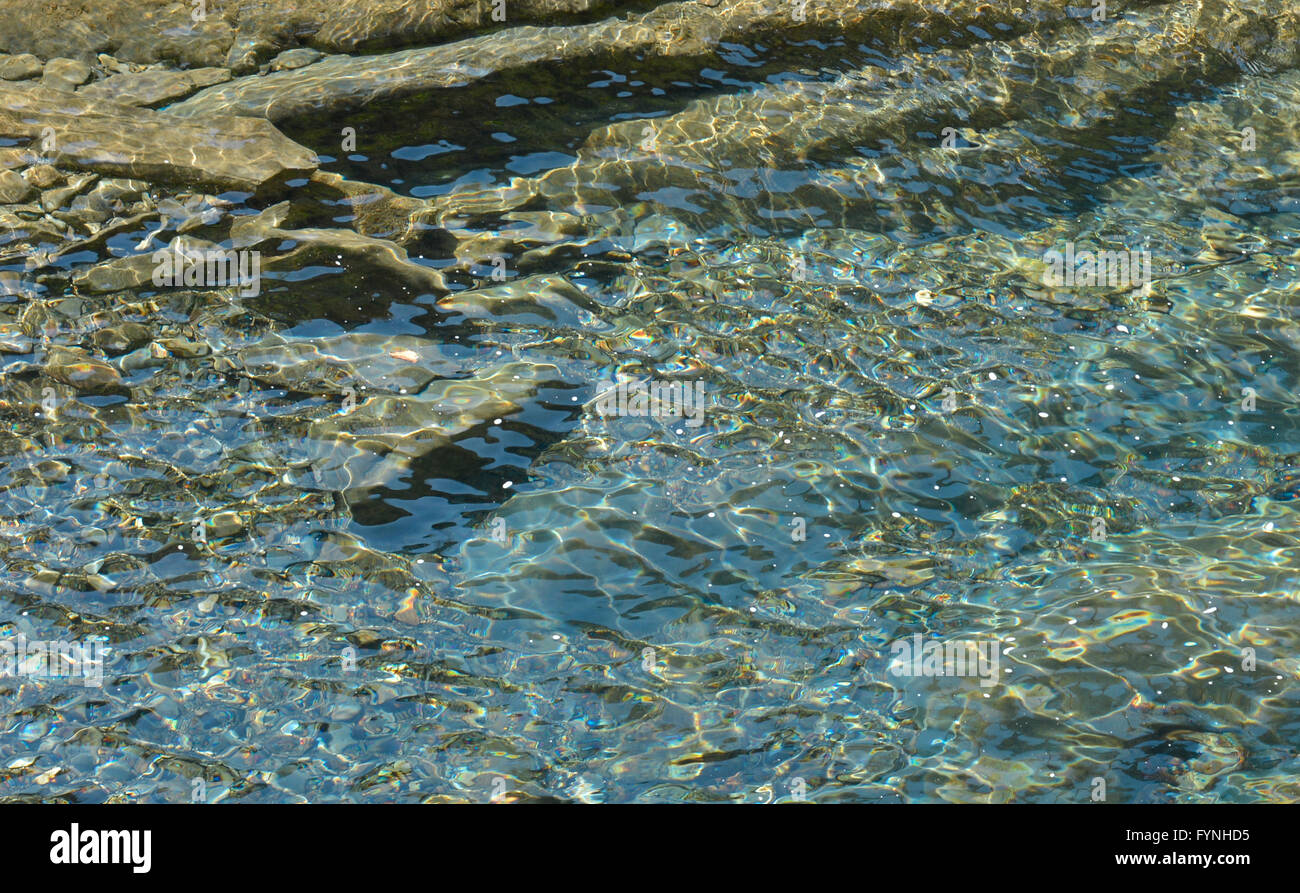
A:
[43,176]
[375,442]
[547,299]
[360,360]
[120,274]
[121,338]
[110,196]
[135,271]
[1239,170]
[143,31]
[673,30]
[82,371]
[153,87]
[330,247]
[789,125]
[377,210]
[244,35]
[65,74]
[291,59]
[139,143]
[59,197]
[20,67]
[11,157]
[340,83]
[14,189]
[367,25]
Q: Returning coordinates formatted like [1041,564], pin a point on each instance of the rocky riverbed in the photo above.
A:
[306,311]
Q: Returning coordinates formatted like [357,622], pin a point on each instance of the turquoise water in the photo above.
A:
[430,568]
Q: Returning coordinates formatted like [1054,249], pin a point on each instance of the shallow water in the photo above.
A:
[360,538]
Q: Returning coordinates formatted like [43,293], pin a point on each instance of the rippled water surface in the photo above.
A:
[366,535]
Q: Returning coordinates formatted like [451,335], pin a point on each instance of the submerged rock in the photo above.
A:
[83,372]
[59,197]
[120,274]
[121,338]
[376,210]
[20,67]
[363,360]
[123,141]
[331,247]
[707,148]
[65,74]
[243,35]
[14,189]
[819,401]
[674,30]
[11,158]
[154,87]
[137,271]
[547,299]
[373,443]
[43,176]
[291,59]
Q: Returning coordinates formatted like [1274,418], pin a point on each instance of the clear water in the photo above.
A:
[489,589]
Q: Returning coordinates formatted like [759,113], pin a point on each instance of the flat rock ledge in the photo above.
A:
[220,152]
